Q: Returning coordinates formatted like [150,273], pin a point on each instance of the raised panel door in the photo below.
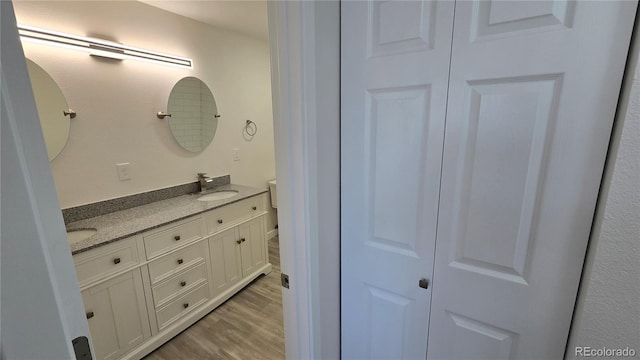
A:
[225,260]
[117,315]
[252,247]
[528,90]
[532,96]
[394,73]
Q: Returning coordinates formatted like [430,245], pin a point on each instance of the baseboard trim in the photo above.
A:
[271,234]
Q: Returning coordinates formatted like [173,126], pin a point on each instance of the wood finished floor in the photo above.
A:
[247,326]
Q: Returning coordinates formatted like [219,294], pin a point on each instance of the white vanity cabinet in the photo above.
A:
[141,291]
[114,297]
[225,256]
[180,282]
[253,249]
[237,253]
[117,315]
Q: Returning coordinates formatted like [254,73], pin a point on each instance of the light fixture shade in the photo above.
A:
[100,47]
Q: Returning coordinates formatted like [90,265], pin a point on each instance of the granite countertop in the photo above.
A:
[125,223]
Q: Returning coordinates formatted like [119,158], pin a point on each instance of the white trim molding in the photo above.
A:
[286,84]
[305,64]
[271,234]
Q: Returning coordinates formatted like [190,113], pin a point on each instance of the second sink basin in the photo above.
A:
[218,195]
[75,236]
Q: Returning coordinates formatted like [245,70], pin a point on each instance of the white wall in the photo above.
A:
[116,102]
[607,312]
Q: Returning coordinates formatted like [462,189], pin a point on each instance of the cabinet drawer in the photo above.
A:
[182,305]
[173,263]
[232,214]
[179,283]
[172,236]
[99,263]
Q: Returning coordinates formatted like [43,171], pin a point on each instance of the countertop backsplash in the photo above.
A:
[82,212]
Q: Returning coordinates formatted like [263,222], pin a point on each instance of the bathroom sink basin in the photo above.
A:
[75,236]
[218,195]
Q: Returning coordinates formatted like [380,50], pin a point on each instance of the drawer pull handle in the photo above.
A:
[116,261]
[220,221]
[255,208]
[238,241]
[183,283]
[243,239]
[185,305]
[177,237]
[180,261]
[90,314]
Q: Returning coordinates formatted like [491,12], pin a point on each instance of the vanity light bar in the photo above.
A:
[99,47]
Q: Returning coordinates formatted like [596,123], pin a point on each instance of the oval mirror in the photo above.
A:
[51,105]
[193,110]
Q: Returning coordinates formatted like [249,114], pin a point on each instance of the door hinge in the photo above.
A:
[284,279]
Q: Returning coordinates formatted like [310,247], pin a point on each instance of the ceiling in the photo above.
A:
[246,17]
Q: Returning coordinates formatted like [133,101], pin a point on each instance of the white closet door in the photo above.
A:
[394,70]
[532,96]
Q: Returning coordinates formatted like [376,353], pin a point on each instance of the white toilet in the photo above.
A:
[274,193]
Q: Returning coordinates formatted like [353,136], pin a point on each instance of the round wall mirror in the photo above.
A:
[51,106]
[194,115]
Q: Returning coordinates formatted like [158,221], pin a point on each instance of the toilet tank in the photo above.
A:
[274,193]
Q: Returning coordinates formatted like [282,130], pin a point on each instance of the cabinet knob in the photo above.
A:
[177,237]
[90,314]
[116,261]
[243,240]
[183,283]
[423,283]
[254,208]
[238,241]
[180,261]
[185,305]
[219,221]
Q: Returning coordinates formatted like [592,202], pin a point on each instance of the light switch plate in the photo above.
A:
[123,171]
[236,154]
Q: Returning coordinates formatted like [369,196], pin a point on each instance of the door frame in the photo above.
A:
[305,65]
[40,294]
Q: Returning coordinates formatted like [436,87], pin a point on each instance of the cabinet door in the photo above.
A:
[252,248]
[117,315]
[225,260]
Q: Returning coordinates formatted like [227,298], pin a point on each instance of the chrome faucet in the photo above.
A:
[204,181]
